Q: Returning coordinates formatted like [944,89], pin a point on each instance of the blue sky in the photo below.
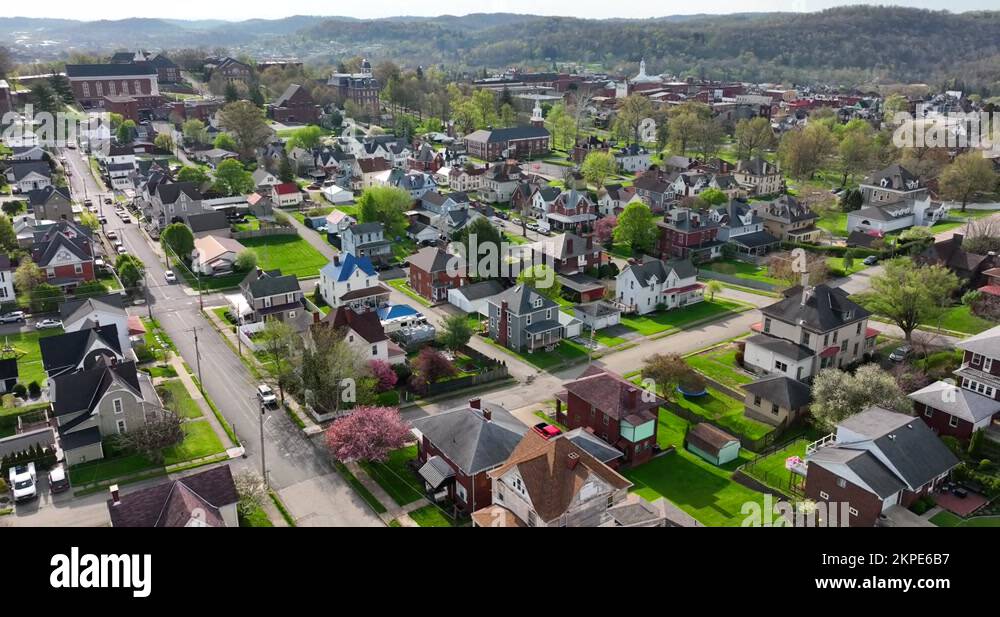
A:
[245,9]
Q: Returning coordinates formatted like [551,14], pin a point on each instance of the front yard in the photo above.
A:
[395,476]
[401,286]
[564,353]
[290,254]
[960,319]
[176,398]
[664,321]
[432,516]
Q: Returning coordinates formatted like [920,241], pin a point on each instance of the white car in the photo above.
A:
[266,395]
[48,324]
[121,249]
[22,482]
[12,317]
[170,276]
[112,234]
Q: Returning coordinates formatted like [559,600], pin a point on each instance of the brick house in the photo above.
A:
[456,450]
[427,160]
[875,461]
[429,274]
[65,253]
[688,234]
[362,88]
[972,405]
[571,211]
[566,253]
[619,412]
[516,142]
[295,105]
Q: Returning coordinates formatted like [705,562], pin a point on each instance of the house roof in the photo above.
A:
[554,471]
[62,235]
[433,259]
[176,503]
[72,310]
[8,368]
[366,324]
[286,188]
[860,468]
[521,299]
[985,343]
[169,192]
[208,221]
[784,391]
[781,346]
[82,390]
[708,438]
[213,247]
[482,289]
[897,177]
[593,445]
[825,308]
[42,196]
[290,92]
[508,134]
[342,267]
[110,70]
[470,441]
[20,169]
[564,246]
[754,239]
[614,396]
[958,402]
[755,167]
[69,348]
[373,227]
[659,269]
[262,284]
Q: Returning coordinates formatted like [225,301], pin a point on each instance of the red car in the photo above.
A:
[547,430]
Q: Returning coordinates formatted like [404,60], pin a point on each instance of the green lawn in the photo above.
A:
[771,469]
[566,351]
[960,319]
[290,254]
[8,417]
[401,286]
[725,411]
[29,356]
[662,321]
[603,338]
[395,477]
[431,516]
[949,519]
[224,315]
[720,364]
[834,222]
[836,265]
[350,210]
[743,270]
[256,518]
[177,399]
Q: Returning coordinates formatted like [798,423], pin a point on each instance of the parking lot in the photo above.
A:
[60,510]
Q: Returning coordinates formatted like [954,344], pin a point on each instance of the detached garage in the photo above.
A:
[712,444]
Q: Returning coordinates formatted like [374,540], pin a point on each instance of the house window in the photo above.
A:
[826,340]
[605,419]
[611,500]
[117,406]
[532,519]
[805,338]
[460,492]
[86,89]
[767,325]
[781,366]
[374,350]
[756,401]
[121,426]
[774,408]
[528,322]
[843,346]
[291,314]
[50,272]
[977,359]
[953,421]
[987,364]
[928,412]
[823,495]
[859,328]
[841,483]
[853,511]
[548,313]
[835,334]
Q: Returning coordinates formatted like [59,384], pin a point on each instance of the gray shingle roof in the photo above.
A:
[858,467]
[781,347]
[954,401]
[826,308]
[521,299]
[470,441]
[785,391]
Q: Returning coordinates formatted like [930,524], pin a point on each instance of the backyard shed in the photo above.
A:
[712,444]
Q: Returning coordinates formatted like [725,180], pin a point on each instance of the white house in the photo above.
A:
[29,175]
[362,330]
[215,255]
[366,240]
[633,159]
[286,195]
[353,282]
[645,287]
[338,221]
[97,311]
[474,298]
[891,217]
[612,199]
[6,280]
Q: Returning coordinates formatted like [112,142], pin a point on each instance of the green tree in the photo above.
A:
[542,279]
[481,237]
[713,287]
[130,270]
[561,124]
[246,123]
[508,117]
[285,171]
[125,132]
[178,239]
[246,260]
[631,112]
[225,141]
[854,153]
[713,197]
[455,331]
[27,276]
[837,395]
[44,98]
[848,260]
[192,174]
[194,131]
[805,151]
[46,298]
[279,343]
[598,167]
[164,142]
[232,179]
[307,138]
[909,295]
[89,220]
[753,136]
[636,228]
[969,175]
[8,237]
[386,205]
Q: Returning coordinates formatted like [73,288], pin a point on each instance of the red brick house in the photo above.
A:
[457,449]
[619,412]
[688,234]
[517,142]
[425,159]
[567,253]
[876,461]
[429,274]
[295,105]
[972,405]
[65,253]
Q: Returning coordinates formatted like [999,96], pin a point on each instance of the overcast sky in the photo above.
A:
[246,9]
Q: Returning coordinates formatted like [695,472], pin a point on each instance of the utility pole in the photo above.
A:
[263,463]
[197,355]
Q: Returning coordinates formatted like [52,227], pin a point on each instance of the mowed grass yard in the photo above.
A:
[771,469]
[176,398]
[960,319]
[719,364]
[395,477]
[724,411]
[29,355]
[743,270]
[664,321]
[834,222]
[949,519]
[290,254]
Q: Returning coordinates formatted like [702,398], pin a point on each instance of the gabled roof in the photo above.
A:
[755,167]
[614,396]
[896,177]
[783,391]
[985,343]
[270,283]
[42,196]
[373,227]
[286,188]
[859,467]
[958,402]
[83,390]
[709,438]
[44,251]
[70,348]
[208,221]
[290,92]
[366,324]
[646,271]
[20,169]
[565,246]
[174,503]
[213,247]
[482,289]
[521,299]
[169,192]
[71,310]
[135,69]
[826,308]
[343,266]
[469,440]
[433,259]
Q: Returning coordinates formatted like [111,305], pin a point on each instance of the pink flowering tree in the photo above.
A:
[604,228]
[368,434]
[385,377]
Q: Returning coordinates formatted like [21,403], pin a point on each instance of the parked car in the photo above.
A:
[48,324]
[12,317]
[22,482]
[58,479]
[170,276]
[900,353]
[108,201]
[88,203]
[547,430]
[121,249]
[112,235]
[266,395]
[871,260]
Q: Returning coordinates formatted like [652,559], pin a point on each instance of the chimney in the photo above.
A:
[631,397]
[115,500]
[476,403]
[806,288]
[336,259]
[569,245]
[571,460]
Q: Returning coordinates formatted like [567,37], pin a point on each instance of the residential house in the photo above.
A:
[891,185]
[875,461]
[209,223]
[286,195]
[712,444]
[81,350]
[970,268]
[655,284]
[974,403]
[28,153]
[613,198]
[580,287]
[571,211]
[65,252]
[353,282]
[758,177]
[271,295]
[812,328]
[788,220]
[743,228]
[98,311]
[422,233]
[633,159]
[368,170]
[617,411]
[215,255]
[457,449]
[686,233]
[94,404]
[264,180]
[416,183]
[295,106]
[170,202]
[364,332]
[7,269]
[51,203]
[203,499]
[425,160]
[466,178]
[338,221]
[434,272]
[557,483]
[474,298]
[500,182]
[542,199]
[29,175]
[524,320]
[366,240]
[896,215]
[690,183]
[260,204]
[656,189]
[598,315]
[566,253]
[776,399]
[519,142]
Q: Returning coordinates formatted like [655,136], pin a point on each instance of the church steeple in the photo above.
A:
[536,114]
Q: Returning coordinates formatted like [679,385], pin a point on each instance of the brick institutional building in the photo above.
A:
[361,88]
[92,82]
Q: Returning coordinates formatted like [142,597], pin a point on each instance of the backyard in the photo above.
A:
[743,270]
[29,356]
[663,321]
[770,470]
[724,411]
[949,519]
[833,221]
[719,363]
[290,254]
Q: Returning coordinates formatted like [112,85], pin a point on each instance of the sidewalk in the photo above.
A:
[393,512]
[206,410]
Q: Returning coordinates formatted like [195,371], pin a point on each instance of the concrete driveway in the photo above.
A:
[61,510]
